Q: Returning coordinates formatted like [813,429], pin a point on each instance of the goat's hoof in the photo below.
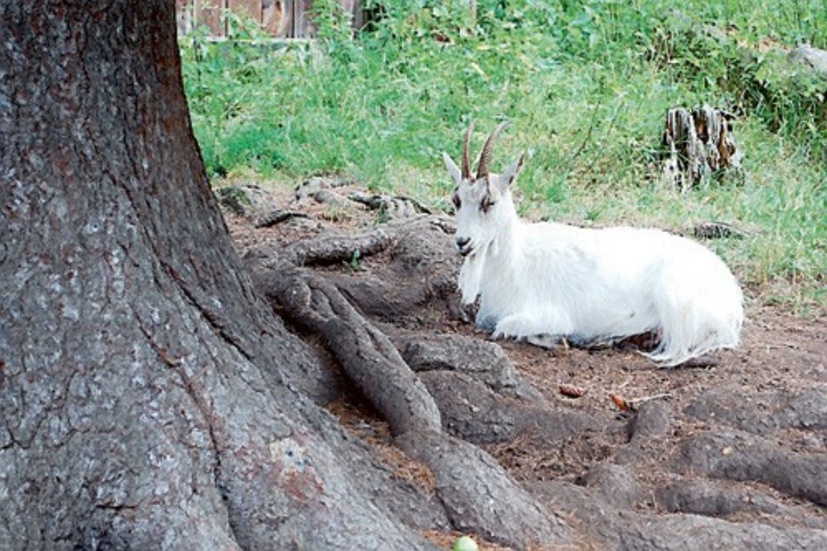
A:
[544,340]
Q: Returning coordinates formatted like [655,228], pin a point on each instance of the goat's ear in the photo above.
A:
[510,174]
[452,167]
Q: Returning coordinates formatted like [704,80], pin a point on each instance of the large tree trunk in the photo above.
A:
[148,399]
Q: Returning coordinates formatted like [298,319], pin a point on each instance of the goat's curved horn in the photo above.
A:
[466,141]
[485,154]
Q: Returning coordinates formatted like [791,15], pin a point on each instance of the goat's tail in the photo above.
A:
[697,316]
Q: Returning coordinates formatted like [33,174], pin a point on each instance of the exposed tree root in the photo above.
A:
[366,354]
[335,249]
[477,493]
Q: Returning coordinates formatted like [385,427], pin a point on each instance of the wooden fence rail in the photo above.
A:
[279,18]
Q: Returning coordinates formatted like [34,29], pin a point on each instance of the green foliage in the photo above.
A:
[585,83]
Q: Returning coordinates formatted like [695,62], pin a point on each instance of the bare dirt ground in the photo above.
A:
[736,444]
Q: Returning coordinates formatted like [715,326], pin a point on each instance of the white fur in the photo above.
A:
[589,285]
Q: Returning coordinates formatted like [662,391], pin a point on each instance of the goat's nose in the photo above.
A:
[462,241]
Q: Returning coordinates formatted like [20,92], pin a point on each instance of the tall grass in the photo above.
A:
[585,84]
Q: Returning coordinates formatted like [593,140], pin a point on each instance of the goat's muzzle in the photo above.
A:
[463,245]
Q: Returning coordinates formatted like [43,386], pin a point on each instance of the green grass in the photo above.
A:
[585,85]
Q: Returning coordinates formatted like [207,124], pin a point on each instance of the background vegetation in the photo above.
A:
[585,84]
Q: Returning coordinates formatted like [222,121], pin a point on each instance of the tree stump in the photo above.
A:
[697,143]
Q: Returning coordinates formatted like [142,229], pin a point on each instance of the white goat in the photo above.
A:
[548,281]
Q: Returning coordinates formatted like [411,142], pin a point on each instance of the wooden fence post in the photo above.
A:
[211,14]
[278,18]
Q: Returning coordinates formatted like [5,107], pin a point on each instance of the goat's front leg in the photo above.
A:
[546,340]
[525,326]
[528,328]
[515,325]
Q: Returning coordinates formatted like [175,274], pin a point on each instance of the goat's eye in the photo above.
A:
[455,199]
[486,203]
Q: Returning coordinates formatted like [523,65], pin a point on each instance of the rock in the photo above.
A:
[810,57]
[246,199]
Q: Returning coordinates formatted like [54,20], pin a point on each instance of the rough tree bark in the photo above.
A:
[148,398]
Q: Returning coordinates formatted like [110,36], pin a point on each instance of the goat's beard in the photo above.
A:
[470,277]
